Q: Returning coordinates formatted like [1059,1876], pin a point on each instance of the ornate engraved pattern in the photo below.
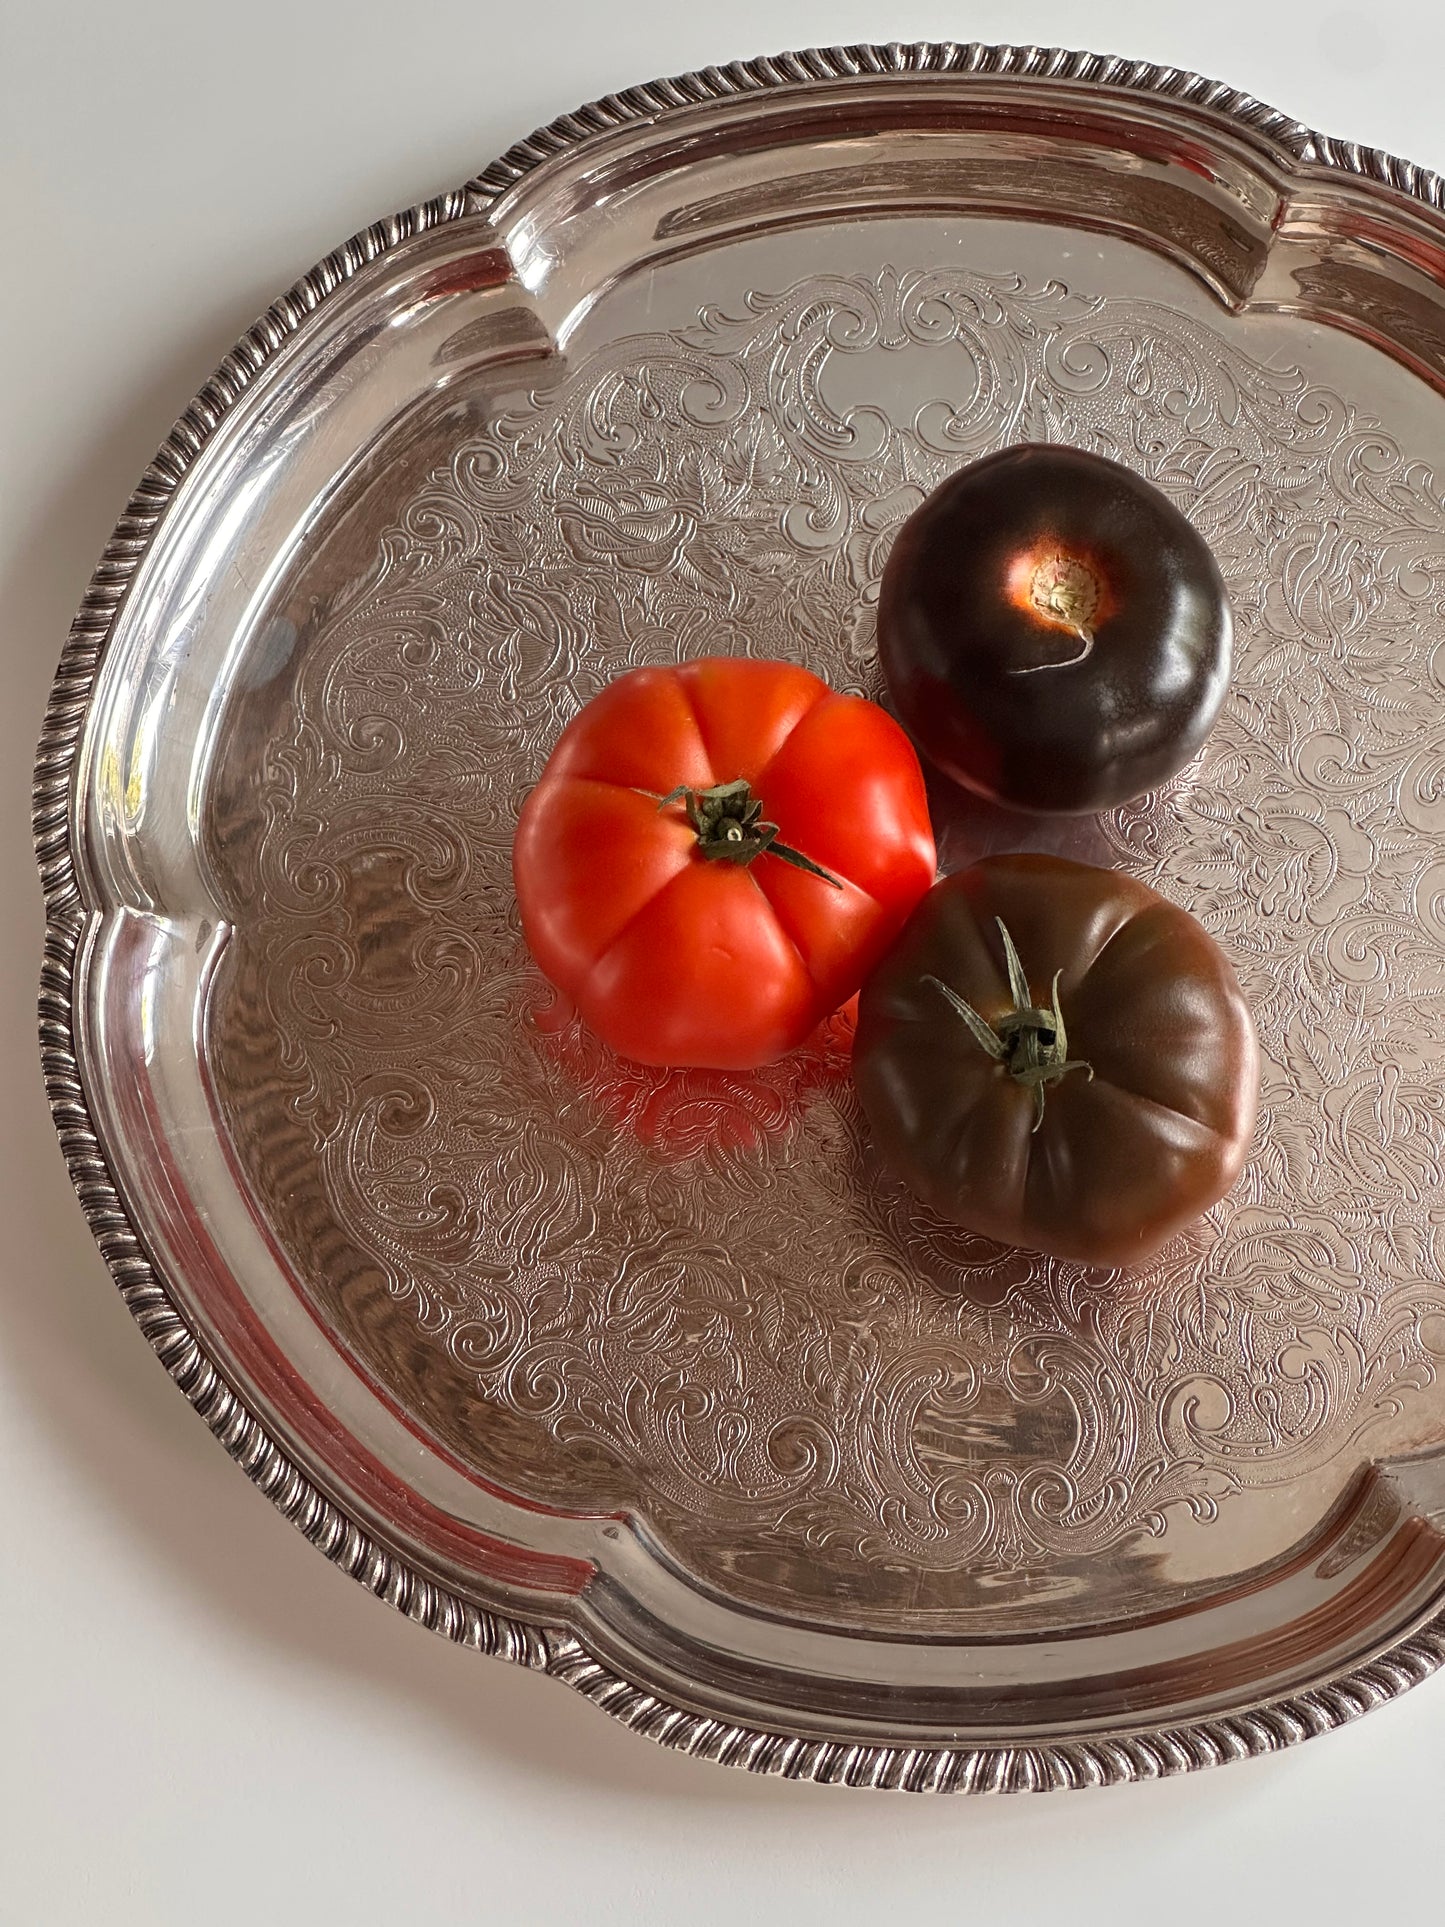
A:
[964,1768]
[838,1374]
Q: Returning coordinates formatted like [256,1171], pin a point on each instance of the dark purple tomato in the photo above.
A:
[1055,634]
[1060,1058]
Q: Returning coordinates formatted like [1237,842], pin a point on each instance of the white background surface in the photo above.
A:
[199,1718]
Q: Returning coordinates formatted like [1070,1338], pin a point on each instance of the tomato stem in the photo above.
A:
[729,823]
[1030,1042]
[1065,591]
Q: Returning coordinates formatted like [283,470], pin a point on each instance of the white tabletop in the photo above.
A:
[200,1718]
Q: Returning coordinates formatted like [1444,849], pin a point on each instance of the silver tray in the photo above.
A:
[653,1381]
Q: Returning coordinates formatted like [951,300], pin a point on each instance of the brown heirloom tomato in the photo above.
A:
[717,855]
[1087,1097]
[1055,634]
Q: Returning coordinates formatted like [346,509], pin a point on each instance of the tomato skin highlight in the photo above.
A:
[1055,634]
[1127,1152]
[676,958]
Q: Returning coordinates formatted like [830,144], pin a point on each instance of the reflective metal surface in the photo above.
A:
[654,1379]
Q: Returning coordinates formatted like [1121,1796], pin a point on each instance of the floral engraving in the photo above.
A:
[696,1295]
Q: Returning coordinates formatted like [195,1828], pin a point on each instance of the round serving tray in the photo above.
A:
[654,1380]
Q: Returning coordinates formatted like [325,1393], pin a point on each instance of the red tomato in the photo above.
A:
[717,855]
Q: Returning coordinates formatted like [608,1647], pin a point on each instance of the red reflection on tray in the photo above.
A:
[679,1113]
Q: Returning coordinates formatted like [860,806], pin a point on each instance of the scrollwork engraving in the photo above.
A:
[696,1294]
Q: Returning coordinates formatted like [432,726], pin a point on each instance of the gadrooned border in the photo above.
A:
[552,1649]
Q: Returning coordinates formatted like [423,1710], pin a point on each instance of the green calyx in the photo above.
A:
[729,823]
[1031,1043]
